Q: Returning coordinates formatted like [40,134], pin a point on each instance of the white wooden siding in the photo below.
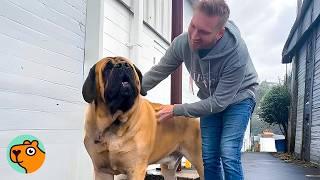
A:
[116,40]
[157,13]
[127,3]
[41,74]
[152,51]
[301,67]
[26,51]
[116,28]
[315,126]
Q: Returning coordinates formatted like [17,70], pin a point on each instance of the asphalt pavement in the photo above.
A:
[264,166]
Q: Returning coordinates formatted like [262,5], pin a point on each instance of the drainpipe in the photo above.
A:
[135,33]
[177,28]
[176,76]
[299,4]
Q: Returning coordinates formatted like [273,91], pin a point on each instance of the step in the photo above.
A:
[184,174]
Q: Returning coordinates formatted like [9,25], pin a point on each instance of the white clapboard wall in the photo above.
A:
[116,29]
[116,40]
[41,74]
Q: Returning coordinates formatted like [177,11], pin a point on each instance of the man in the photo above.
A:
[218,61]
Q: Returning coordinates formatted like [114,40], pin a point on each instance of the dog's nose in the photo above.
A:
[16,152]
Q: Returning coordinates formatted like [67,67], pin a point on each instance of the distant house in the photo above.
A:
[302,49]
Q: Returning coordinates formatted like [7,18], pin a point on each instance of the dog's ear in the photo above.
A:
[89,90]
[142,92]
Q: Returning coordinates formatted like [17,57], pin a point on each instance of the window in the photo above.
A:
[157,14]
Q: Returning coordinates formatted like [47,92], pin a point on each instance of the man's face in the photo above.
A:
[204,31]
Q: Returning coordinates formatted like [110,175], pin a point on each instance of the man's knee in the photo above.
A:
[231,155]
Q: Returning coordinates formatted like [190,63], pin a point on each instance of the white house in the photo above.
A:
[42,52]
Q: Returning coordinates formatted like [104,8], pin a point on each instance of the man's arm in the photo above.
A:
[227,88]
[168,63]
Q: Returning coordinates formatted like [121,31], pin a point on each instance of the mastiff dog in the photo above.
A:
[122,133]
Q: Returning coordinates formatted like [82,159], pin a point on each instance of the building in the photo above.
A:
[302,50]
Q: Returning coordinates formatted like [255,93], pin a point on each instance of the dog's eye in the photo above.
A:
[30,151]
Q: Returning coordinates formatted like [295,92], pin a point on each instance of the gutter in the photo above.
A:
[287,54]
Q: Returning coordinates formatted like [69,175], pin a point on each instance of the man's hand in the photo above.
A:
[165,113]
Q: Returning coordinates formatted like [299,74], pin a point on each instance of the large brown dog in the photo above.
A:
[122,134]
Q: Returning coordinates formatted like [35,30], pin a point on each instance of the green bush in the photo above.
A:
[274,107]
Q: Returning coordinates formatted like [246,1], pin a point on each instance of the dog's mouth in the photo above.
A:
[125,84]
[120,91]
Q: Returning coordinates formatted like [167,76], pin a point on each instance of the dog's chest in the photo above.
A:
[114,154]
[107,161]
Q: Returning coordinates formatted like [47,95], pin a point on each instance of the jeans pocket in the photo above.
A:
[252,104]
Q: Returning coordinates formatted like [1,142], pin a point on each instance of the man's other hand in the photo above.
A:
[165,113]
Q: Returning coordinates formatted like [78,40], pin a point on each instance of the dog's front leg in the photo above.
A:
[102,176]
[138,172]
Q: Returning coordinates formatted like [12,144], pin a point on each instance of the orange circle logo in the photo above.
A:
[25,154]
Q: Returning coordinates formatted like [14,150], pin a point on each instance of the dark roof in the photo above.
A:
[298,34]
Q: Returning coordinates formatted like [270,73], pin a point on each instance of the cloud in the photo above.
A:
[265,26]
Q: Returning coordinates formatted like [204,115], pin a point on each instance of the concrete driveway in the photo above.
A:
[264,166]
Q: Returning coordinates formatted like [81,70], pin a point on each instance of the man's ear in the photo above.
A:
[220,34]
[142,92]
[89,90]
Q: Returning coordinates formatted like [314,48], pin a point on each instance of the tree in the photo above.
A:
[274,107]
[262,90]
[257,124]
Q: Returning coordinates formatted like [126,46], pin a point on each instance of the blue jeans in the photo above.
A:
[222,136]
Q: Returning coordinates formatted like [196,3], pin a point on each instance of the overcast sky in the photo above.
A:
[265,26]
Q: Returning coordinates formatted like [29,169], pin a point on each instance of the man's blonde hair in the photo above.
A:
[214,8]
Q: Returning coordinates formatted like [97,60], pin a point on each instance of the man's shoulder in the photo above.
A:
[180,44]
[182,38]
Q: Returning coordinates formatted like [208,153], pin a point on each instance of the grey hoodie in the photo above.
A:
[224,76]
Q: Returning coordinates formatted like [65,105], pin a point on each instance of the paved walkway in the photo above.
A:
[263,166]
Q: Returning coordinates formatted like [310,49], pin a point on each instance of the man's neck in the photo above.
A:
[205,51]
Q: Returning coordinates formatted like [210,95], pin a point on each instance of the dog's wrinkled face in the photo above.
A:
[120,87]
[115,81]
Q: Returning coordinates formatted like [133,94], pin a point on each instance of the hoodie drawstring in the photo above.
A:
[190,77]
[210,87]
[191,84]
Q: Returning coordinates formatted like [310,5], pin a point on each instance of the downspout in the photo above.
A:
[135,33]
[177,28]
[299,4]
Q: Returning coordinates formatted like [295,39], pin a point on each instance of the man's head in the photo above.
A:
[207,23]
